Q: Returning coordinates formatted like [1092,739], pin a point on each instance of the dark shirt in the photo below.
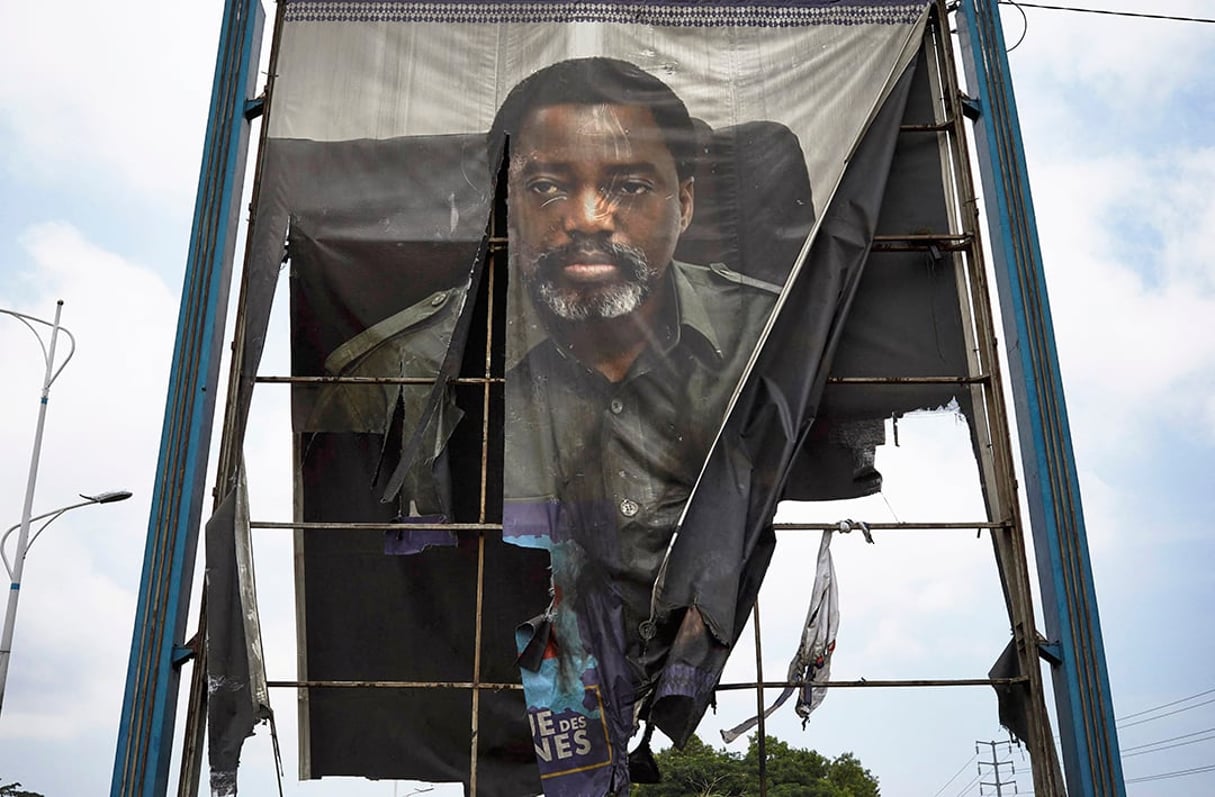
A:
[609,465]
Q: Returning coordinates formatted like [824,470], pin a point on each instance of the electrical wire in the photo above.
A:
[1171,739]
[955,775]
[1024,24]
[1163,705]
[969,786]
[1175,774]
[1166,714]
[1168,747]
[1106,12]
[1127,752]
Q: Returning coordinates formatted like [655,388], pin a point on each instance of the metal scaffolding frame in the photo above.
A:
[1073,646]
[146,730]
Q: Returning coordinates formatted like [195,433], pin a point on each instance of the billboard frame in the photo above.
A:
[1074,646]
[158,647]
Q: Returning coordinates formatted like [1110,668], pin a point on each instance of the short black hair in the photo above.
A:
[598,81]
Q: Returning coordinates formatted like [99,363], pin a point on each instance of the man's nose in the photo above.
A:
[590,211]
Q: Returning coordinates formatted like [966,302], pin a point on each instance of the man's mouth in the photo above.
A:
[590,269]
[578,282]
[589,265]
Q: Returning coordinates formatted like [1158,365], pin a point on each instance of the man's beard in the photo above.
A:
[591,300]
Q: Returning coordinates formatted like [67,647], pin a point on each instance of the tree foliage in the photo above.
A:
[14,790]
[701,771]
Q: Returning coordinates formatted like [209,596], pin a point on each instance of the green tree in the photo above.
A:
[14,790]
[701,771]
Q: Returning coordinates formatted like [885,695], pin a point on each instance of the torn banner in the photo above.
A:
[654,405]
[377,172]
[237,694]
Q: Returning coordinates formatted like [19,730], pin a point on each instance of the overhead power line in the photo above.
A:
[961,769]
[1160,749]
[1165,714]
[1164,705]
[1174,774]
[969,786]
[1170,739]
[1106,12]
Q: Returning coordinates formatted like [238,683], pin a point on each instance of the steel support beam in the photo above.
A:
[145,733]
[1081,683]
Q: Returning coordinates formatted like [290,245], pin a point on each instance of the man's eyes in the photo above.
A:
[544,188]
[632,187]
[547,188]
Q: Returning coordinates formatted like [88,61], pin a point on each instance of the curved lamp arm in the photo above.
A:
[29,322]
[53,515]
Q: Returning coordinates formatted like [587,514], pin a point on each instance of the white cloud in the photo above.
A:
[1123,205]
[1127,68]
[1135,322]
[120,87]
[102,430]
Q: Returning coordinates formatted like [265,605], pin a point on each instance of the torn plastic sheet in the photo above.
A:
[413,421]
[238,697]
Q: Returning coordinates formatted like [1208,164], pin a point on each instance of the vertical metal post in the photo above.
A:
[14,591]
[761,745]
[1074,648]
[141,764]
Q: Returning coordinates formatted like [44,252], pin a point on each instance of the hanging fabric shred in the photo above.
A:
[811,664]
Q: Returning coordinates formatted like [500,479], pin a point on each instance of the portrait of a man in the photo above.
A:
[625,360]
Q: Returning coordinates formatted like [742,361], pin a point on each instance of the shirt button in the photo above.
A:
[438,299]
[629,507]
[617,406]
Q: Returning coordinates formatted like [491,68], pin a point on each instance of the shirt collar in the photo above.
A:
[691,312]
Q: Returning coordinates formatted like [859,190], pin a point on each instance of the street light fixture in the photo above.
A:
[14,568]
[100,498]
[51,374]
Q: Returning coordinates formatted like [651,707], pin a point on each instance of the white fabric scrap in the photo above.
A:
[811,664]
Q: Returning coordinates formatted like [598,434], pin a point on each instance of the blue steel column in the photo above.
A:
[1074,647]
[145,734]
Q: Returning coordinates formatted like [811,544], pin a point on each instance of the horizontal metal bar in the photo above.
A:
[497,380]
[888,684]
[942,240]
[931,128]
[1002,524]
[909,380]
[496,687]
[267,524]
[926,238]
[375,380]
[337,526]
[863,683]
[921,243]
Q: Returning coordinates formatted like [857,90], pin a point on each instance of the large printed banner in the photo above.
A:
[691,190]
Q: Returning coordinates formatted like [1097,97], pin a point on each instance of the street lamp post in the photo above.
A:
[15,567]
[51,374]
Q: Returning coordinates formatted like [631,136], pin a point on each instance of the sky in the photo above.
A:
[102,109]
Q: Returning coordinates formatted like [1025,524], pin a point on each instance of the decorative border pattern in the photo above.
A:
[628,12]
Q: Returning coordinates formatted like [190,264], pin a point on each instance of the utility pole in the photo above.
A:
[995,764]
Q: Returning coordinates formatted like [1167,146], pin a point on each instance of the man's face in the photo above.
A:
[596,208]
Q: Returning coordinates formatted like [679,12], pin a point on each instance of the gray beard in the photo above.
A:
[595,302]
[611,302]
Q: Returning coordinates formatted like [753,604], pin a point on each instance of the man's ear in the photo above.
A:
[687,202]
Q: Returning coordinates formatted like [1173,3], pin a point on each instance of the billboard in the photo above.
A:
[567,281]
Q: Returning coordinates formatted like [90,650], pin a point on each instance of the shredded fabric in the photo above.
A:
[811,664]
